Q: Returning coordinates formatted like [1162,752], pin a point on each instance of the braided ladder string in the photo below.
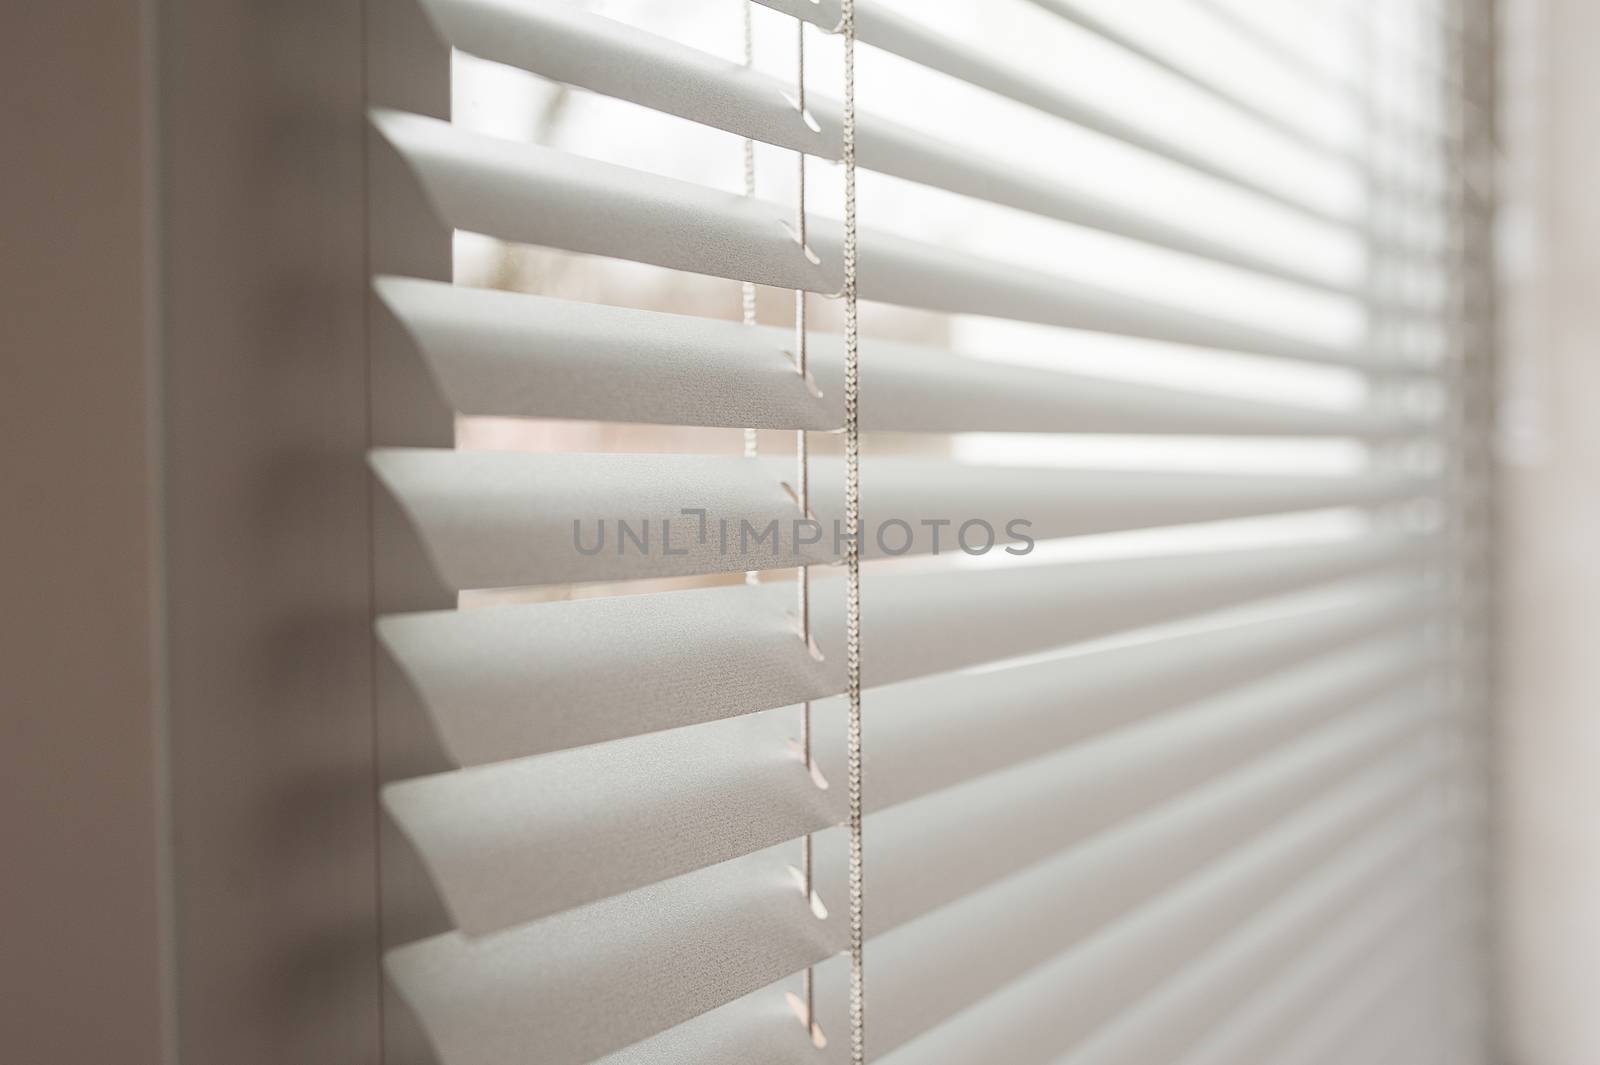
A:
[852,523]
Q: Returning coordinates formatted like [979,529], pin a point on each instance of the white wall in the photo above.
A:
[80,950]
[1549,756]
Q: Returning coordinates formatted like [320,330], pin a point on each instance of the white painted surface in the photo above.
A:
[1549,754]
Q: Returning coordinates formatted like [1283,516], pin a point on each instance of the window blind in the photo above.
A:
[1162,761]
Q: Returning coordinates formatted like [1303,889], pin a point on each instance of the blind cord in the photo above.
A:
[747,289]
[852,522]
[802,456]
[803,499]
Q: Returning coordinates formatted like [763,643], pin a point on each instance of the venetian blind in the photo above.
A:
[1164,357]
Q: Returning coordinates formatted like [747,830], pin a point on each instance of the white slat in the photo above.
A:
[1291,56]
[1074,11]
[537,195]
[961,839]
[568,44]
[565,991]
[663,955]
[1342,1024]
[974,945]
[509,681]
[511,354]
[1254,1028]
[513,841]
[1189,1002]
[1042,1015]
[909,39]
[499,519]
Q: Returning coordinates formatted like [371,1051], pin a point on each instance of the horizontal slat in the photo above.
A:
[561,992]
[535,989]
[565,43]
[882,28]
[600,54]
[537,195]
[1043,1014]
[759,1027]
[1301,63]
[926,736]
[1185,1004]
[1074,12]
[1258,1025]
[512,841]
[516,355]
[500,519]
[1398,1029]
[509,681]
[1343,1024]
[1047,908]
[956,841]
[960,833]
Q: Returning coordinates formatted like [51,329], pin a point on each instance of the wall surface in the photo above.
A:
[188,829]
[80,946]
[264,263]
[1549,755]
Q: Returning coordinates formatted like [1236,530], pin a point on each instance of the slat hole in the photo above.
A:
[818,1040]
[794,235]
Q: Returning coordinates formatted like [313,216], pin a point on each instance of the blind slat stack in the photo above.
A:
[1150,804]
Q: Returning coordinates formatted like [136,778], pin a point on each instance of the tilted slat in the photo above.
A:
[913,274]
[957,840]
[1185,1004]
[534,989]
[566,990]
[1045,909]
[906,38]
[1301,63]
[1074,12]
[567,44]
[517,355]
[563,42]
[927,736]
[508,681]
[1390,1031]
[524,192]
[1043,1014]
[538,195]
[500,519]
[512,841]
[1247,1027]
[1320,1026]
[1103,880]
[1349,1026]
